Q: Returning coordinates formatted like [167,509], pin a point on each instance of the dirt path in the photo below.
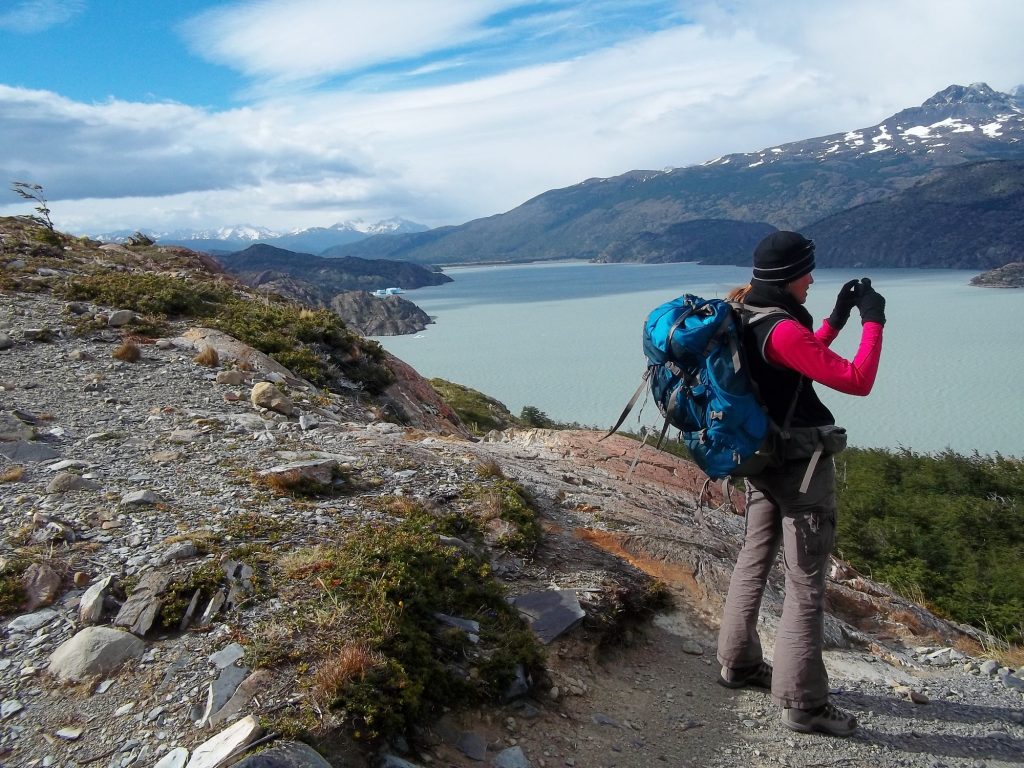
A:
[650,702]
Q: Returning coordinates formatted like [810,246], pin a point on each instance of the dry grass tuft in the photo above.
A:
[489,469]
[207,356]
[334,673]
[128,351]
[12,474]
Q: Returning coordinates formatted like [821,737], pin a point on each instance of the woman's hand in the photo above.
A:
[845,303]
[870,303]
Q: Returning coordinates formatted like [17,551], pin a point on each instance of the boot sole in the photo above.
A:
[742,684]
[801,728]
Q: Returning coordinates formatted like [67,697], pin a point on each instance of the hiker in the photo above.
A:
[794,504]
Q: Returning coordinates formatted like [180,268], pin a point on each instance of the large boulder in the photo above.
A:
[94,651]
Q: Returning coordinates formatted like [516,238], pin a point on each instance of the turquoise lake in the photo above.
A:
[565,337]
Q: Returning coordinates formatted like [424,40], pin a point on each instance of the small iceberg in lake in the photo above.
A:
[382,292]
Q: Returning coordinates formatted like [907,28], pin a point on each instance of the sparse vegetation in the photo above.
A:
[379,655]
[297,483]
[12,595]
[477,411]
[207,356]
[35,194]
[315,344]
[12,474]
[489,469]
[127,351]
[509,502]
[207,578]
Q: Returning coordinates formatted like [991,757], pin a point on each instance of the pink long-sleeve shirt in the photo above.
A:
[793,346]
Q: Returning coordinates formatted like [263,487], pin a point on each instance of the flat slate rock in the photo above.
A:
[19,451]
[550,613]
[291,754]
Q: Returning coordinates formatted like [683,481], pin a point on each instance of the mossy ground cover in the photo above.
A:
[476,410]
[499,498]
[370,645]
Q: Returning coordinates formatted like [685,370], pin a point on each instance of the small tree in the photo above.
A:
[533,416]
[34,192]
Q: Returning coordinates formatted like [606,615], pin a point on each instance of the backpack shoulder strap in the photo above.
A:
[750,316]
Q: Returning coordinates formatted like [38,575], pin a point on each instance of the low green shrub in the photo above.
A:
[384,659]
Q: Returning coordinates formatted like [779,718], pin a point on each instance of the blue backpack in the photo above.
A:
[698,378]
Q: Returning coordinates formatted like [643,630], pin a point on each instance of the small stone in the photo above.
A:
[120,317]
[266,395]
[180,550]
[65,482]
[176,758]
[231,378]
[70,733]
[140,498]
[472,745]
[10,707]
[81,579]
[41,584]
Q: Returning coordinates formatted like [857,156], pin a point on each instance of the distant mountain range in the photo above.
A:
[932,186]
[238,237]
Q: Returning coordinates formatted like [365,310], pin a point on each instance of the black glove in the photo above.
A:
[845,302]
[870,303]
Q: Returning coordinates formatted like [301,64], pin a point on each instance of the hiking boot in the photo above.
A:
[757,676]
[827,719]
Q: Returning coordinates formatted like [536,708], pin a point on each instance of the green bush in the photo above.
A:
[390,580]
[148,293]
[476,410]
[315,344]
[946,527]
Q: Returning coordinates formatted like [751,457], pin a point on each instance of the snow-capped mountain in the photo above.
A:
[649,215]
[239,236]
[949,123]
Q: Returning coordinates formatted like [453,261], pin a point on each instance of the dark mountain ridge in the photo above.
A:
[331,275]
[790,186]
[341,285]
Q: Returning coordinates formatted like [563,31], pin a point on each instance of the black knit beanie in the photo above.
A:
[783,257]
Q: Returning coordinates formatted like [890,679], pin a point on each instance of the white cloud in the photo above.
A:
[286,40]
[31,16]
[742,77]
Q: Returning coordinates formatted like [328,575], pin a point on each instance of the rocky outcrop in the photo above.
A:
[379,315]
[1008,276]
[414,402]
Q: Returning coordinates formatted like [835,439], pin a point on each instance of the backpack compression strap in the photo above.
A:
[630,404]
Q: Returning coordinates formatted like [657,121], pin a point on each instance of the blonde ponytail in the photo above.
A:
[739,294]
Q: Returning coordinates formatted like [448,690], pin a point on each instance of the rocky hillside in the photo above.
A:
[967,217]
[340,285]
[379,315]
[205,552]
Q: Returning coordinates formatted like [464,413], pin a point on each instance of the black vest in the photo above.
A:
[777,384]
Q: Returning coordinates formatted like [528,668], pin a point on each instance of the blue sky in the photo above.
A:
[294,113]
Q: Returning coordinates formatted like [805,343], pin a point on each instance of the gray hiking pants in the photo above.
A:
[804,524]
